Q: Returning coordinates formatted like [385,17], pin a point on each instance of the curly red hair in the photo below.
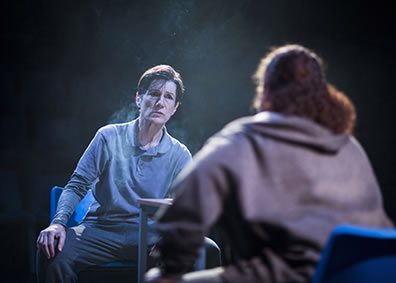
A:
[290,80]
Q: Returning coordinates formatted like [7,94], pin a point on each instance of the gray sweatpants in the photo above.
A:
[90,244]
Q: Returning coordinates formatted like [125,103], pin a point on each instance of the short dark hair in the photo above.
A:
[291,80]
[161,72]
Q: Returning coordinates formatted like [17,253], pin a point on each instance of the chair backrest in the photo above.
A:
[358,254]
[80,211]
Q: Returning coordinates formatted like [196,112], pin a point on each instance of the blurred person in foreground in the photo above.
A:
[123,162]
[277,182]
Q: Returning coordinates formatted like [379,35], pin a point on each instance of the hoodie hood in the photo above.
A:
[293,129]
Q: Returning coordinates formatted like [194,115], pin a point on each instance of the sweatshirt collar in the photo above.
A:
[161,148]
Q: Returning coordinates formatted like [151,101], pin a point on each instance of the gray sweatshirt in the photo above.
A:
[120,171]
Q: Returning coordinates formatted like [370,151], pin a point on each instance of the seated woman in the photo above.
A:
[123,162]
[277,182]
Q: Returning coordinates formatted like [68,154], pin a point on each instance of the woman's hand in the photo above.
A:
[46,239]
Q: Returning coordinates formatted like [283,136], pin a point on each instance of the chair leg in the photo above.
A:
[209,255]
[200,264]
[213,254]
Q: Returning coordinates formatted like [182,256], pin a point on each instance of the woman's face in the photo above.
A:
[158,103]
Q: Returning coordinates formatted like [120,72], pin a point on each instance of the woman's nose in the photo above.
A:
[160,101]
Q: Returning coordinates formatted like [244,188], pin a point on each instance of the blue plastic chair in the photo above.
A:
[80,211]
[358,254]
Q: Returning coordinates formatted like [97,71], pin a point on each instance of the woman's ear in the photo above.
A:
[138,100]
[176,106]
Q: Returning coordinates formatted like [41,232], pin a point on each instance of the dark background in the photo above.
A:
[70,67]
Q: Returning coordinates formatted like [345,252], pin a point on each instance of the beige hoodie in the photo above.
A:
[277,186]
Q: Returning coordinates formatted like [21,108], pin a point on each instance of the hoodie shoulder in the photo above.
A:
[290,129]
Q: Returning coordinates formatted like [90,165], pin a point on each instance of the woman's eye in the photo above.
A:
[154,93]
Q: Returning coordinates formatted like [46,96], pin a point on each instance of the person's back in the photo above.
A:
[289,182]
[277,182]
